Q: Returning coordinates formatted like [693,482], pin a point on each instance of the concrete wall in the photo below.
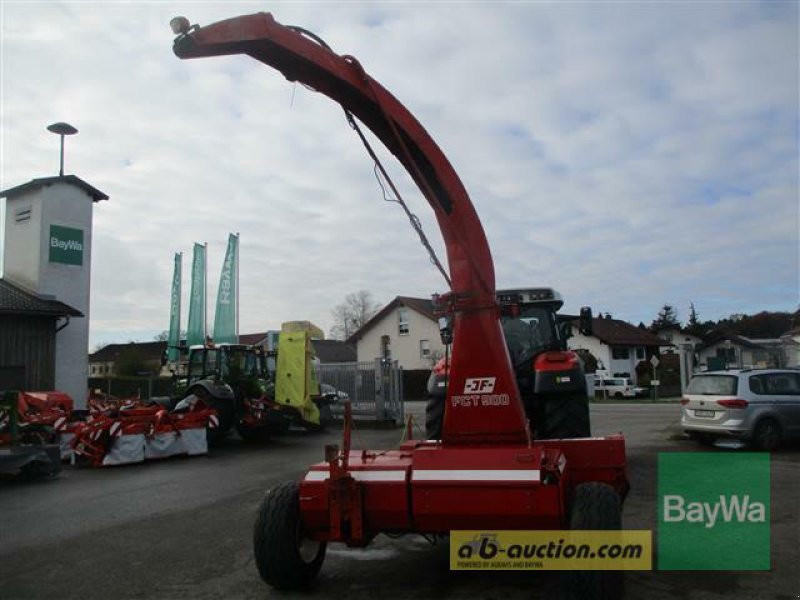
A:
[22,254]
[27,263]
[404,348]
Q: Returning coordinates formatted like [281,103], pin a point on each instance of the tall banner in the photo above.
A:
[226,327]
[196,328]
[175,312]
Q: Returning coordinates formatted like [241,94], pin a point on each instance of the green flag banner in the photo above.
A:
[175,312]
[196,328]
[225,322]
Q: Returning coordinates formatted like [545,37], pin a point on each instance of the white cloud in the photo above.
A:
[629,154]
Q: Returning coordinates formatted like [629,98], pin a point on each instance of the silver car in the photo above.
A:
[759,406]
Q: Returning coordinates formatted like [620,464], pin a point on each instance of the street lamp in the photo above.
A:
[62,129]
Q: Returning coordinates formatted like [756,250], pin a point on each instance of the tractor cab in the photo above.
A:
[529,321]
[229,362]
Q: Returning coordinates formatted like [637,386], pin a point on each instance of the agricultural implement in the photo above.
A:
[27,443]
[487,471]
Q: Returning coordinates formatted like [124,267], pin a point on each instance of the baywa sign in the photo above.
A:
[66,245]
[713,511]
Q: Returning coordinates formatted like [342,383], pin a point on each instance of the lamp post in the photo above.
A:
[62,129]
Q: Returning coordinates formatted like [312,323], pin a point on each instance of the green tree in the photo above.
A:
[667,317]
[693,325]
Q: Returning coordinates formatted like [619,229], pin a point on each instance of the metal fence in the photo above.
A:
[375,388]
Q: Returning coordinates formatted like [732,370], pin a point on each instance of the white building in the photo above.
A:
[48,251]
[730,351]
[791,347]
[407,328]
[618,346]
[677,340]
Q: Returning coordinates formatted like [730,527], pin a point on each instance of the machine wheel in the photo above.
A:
[434,417]
[226,413]
[618,395]
[767,435]
[595,506]
[285,558]
[565,417]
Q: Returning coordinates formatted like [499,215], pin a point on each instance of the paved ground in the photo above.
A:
[182,529]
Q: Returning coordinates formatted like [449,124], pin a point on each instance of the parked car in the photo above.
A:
[759,406]
[617,387]
[333,395]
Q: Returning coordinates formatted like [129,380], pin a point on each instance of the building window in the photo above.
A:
[402,321]
[620,353]
[424,348]
[640,354]
[726,354]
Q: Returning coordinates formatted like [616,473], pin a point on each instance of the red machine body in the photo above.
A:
[486,471]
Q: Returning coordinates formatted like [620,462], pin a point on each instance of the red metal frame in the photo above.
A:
[486,472]
[479,350]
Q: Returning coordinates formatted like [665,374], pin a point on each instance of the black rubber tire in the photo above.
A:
[434,416]
[564,417]
[595,506]
[226,413]
[277,541]
[618,395]
[767,435]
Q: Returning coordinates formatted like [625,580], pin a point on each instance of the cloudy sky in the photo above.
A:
[628,154]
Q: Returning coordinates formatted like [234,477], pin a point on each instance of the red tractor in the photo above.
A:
[550,378]
[487,471]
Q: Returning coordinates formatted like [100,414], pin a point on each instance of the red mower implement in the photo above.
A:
[487,471]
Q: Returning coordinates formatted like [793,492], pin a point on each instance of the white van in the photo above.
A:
[616,387]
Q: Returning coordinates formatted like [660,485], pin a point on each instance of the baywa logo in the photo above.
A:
[728,509]
[66,245]
[713,511]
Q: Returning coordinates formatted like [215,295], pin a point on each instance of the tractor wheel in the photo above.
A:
[767,435]
[285,557]
[226,413]
[434,416]
[565,417]
[595,506]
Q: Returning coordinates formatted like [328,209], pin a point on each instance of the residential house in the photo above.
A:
[791,347]
[106,362]
[677,340]
[405,329]
[725,350]
[618,346]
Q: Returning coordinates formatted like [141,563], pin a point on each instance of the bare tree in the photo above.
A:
[349,316]
[164,335]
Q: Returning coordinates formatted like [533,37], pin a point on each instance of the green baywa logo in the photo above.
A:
[728,509]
